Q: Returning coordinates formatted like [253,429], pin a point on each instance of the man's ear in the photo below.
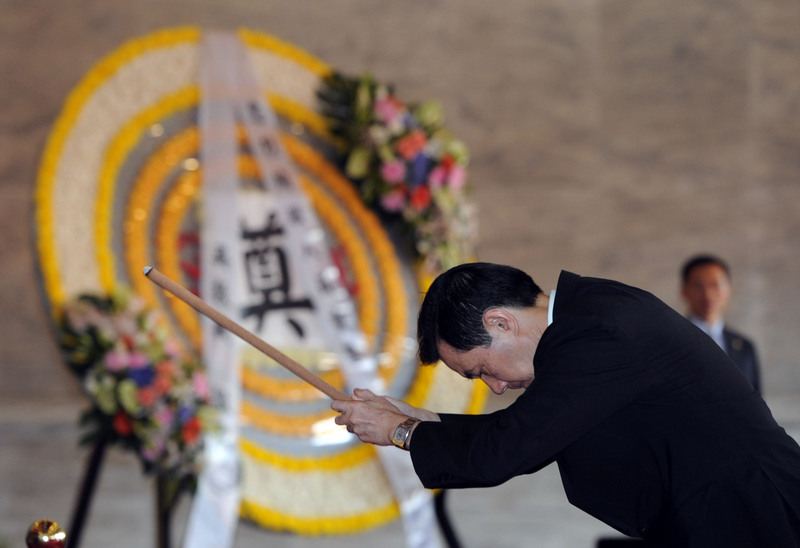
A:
[498,320]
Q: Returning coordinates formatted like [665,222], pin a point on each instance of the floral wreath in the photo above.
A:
[406,164]
[145,394]
[123,156]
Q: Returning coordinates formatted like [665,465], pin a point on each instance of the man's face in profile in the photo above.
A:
[707,291]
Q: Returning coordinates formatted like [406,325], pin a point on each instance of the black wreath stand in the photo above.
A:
[167,493]
[443,520]
[86,492]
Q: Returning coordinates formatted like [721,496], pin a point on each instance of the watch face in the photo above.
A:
[402,432]
[399,435]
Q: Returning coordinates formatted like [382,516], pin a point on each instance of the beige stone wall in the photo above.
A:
[609,137]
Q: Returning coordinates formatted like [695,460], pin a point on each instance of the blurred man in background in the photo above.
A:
[706,288]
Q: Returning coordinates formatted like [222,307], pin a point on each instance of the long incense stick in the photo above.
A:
[248,336]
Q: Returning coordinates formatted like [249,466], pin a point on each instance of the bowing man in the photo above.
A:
[631,401]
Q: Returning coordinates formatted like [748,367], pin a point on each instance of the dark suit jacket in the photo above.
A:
[743,353]
[654,433]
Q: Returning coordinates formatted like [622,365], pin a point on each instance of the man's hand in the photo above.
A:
[374,418]
[394,405]
[370,422]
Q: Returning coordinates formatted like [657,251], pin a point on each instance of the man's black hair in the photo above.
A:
[703,260]
[453,308]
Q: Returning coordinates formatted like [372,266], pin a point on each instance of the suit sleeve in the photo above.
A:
[582,377]
[465,419]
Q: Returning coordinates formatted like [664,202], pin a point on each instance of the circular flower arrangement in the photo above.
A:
[118,188]
[145,394]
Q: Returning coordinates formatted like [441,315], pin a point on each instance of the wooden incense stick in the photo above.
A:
[248,336]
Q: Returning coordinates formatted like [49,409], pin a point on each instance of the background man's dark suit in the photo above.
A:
[743,352]
[654,433]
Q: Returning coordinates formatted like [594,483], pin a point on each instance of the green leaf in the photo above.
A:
[105,396]
[127,392]
[363,100]
[429,114]
[459,151]
[358,163]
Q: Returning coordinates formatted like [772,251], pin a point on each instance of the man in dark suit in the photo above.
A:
[653,432]
[706,288]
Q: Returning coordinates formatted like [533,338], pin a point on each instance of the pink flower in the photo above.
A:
[152,453]
[200,383]
[172,348]
[116,360]
[437,177]
[393,171]
[394,200]
[457,176]
[164,416]
[388,109]
[138,360]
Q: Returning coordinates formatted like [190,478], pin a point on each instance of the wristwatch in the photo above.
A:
[402,434]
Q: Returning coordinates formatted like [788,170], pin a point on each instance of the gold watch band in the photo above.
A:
[402,433]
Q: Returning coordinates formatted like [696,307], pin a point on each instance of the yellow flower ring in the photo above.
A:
[115,190]
[180,197]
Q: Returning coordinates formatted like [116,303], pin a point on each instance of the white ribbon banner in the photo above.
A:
[336,310]
[258,240]
[215,510]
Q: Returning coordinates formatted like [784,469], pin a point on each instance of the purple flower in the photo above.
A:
[142,376]
[152,453]
[409,121]
[419,169]
[185,413]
